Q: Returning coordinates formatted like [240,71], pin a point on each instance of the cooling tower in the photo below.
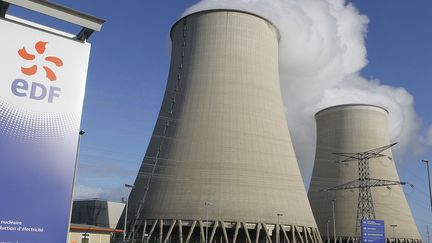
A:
[220,160]
[352,129]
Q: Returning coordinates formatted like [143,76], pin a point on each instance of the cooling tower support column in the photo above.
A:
[221,137]
[369,186]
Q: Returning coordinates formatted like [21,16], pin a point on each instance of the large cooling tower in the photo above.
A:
[221,149]
[352,129]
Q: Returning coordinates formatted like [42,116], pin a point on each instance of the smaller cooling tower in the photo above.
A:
[356,128]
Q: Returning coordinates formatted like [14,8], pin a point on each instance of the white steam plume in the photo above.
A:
[322,50]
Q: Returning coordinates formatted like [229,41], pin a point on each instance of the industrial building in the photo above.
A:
[348,129]
[220,165]
[95,220]
[96,212]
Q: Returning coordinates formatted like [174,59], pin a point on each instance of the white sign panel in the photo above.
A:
[42,84]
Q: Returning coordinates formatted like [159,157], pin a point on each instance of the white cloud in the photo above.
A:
[427,137]
[86,192]
[95,192]
[322,50]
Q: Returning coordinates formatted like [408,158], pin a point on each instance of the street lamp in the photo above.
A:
[334,220]
[129,188]
[328,233]
[207,204]
[277,229]
[430,191]
[393,227]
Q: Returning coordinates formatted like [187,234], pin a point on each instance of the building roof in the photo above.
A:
[93,229]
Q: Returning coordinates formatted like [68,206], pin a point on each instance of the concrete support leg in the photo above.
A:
[180,228]
[161,231]
[215,225]
[143,239]
[267,233]
[152,229]
[285,234]
[248,239]
[191,231]
[298,234]
[257,235]
[224,232]
[236,232]
[170,231]
[201,226]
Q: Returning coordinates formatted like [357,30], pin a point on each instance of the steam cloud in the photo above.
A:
[322,50]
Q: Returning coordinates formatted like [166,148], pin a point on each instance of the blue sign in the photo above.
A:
[372,231]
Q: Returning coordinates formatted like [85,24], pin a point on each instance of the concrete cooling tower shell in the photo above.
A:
[353,129]
[221,149]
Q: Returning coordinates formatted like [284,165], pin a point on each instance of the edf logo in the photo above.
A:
[34,90]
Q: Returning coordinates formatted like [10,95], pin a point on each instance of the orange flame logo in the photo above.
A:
[40,47]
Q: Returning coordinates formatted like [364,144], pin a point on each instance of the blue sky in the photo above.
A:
[129,66]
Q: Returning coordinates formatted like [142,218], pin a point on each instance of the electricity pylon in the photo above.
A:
[365,206]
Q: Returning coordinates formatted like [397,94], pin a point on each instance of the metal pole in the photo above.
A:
[125,221]
[393,227]
[128,187]
[427,233]
[328,234]
[81,133]
[278,228]
[334,220]
[429,180]
[207,204]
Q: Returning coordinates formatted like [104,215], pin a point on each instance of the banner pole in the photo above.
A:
[81,133]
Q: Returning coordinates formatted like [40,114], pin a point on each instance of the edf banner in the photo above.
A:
[42,84]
